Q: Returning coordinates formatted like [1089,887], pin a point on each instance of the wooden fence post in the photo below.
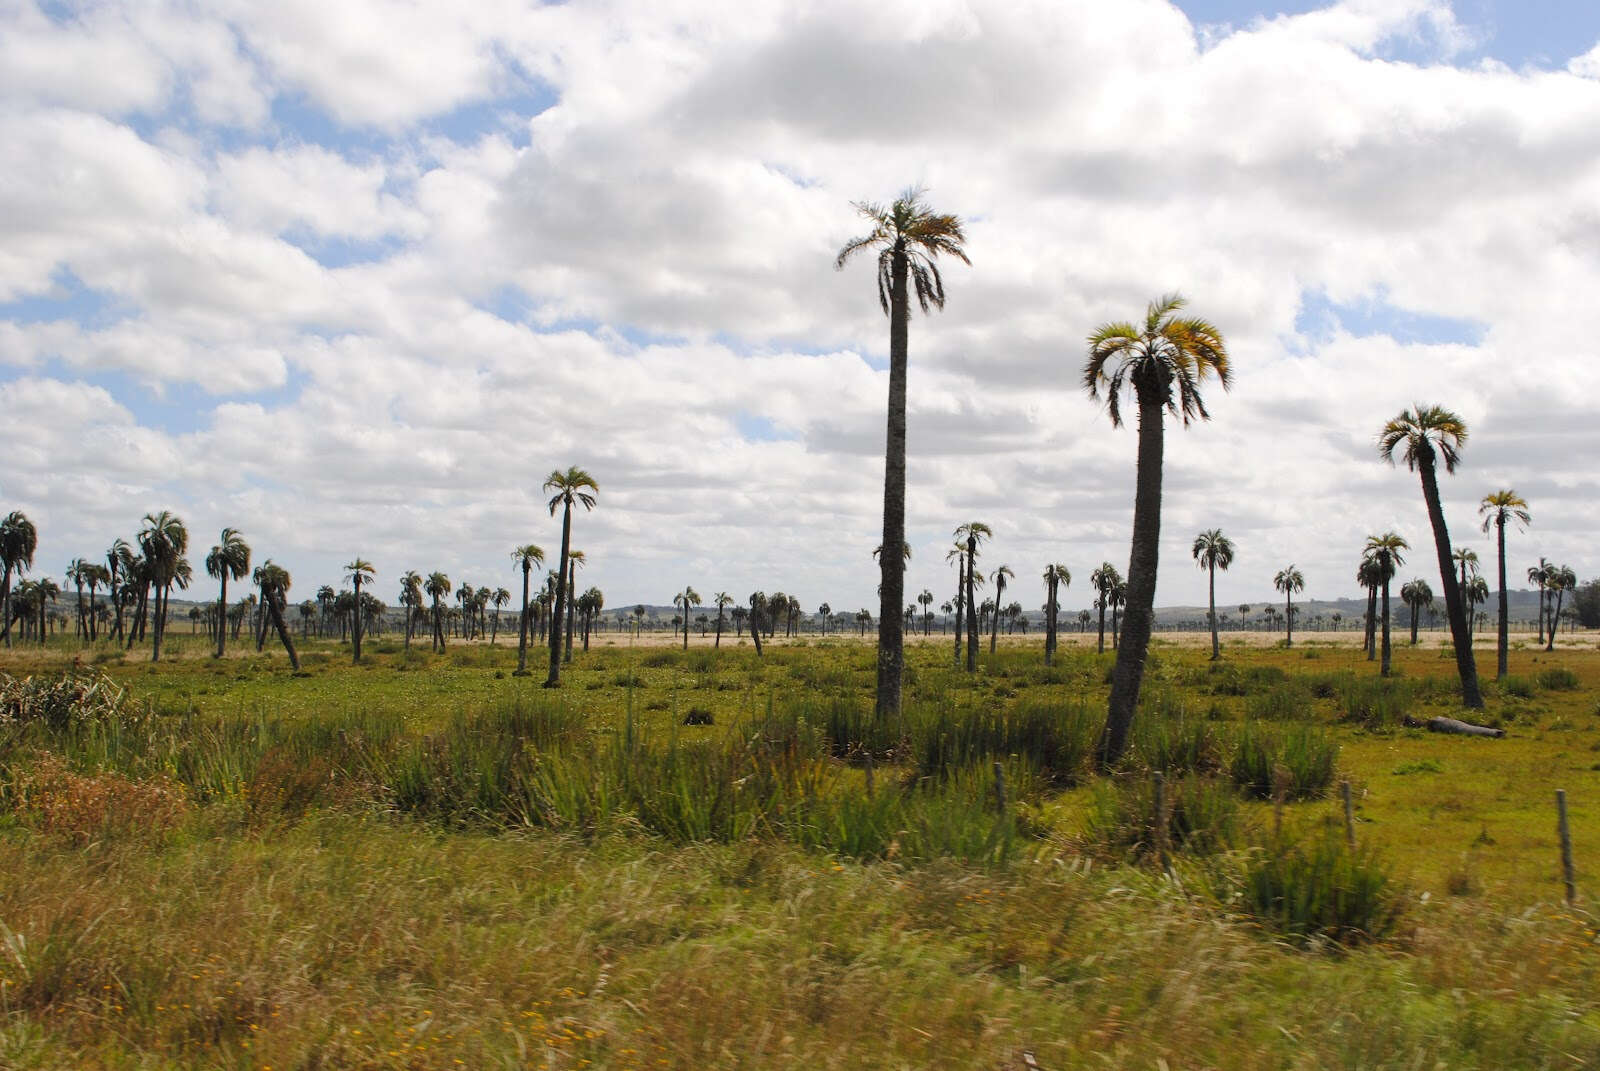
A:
[1566,845]
[1349,814]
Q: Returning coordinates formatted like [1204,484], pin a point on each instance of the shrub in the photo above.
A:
[1374,702]
[1558,679]
[1165,739]
[1321,890]
[1518,686]
[1306,755]
[88,806]
[77,698]
[1057,738]
[1202,816]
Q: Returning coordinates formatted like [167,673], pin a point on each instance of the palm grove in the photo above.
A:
[1159,363]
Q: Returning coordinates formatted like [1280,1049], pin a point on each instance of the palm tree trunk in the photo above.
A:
[1503,641]
[1555,618]
[1102,608]
[891,556]
[1216,646]
[1128,673]
[276,613]
[222,612]
[522,632]
[972,606]
[1288,618]
[1384,669]
[994,623]
[1050,625]
[554,679]
[1414,608]
[1369,641]
[1453,595]
[572,599]
[719,626]
[355,621]
[961,606]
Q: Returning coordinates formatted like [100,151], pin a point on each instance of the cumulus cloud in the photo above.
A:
[392,329]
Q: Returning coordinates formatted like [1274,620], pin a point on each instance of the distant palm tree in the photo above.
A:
[758,607]
[19,539]
[1476,594]
[823,611]
[527,556]
[500,597]
[1562,580]
[573,486]
[576,559]
[1163,359]
[723,600]
[75,575]
[958,554]
[1497,508]
[971,534]
[357,572]
[999,577]
[1385,550]
[1540,575]
[1418,595]
[1056,577]
[1104,580]
[1289,581]
[95,575]
[1118,597]
[229,558]
[925,599]
[411,599]
[275,582]
[687,599]
[908,237]
[437,587]
[164,540]
[1212,551]
[1424,436]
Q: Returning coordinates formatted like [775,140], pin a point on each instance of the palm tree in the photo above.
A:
[229,558]
[822,616]
[1212,551]
[1244,610]
[164,539]
[908,237]
[574,485]
[758,606]
[1056,577]
[275,583]
[1369,577]
[1118,597]
[1497,508]
[722,600]
[686,599]
[411,599]
[527,556]
[1104,580]
[1562,580]
[1163,360]
[500,597]
[437,587]
[465,596]
[1385,550]
[999,576]
[94,575]
[970,535]
[119,563]
[19,539]
[925,600]
[1289,581]
[958,554]
[576,560]
[1418,595]
[1425,435]
[1541,575]
[1476,593]
[357,572]
[75,575]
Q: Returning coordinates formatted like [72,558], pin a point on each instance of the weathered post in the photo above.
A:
[1566,845]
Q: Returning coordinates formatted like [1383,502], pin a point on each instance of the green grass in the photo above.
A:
[423,859]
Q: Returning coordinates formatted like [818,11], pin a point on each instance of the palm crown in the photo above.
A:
[1167,351]
[1422,433]
[920,234]
[574,485]
[230,555]
[1212,548]
[1498,507]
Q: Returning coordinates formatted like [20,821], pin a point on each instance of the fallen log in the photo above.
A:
[1462,728]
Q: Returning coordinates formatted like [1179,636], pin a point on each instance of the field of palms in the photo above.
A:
[714,859]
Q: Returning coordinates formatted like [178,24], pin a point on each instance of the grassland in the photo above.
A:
[426,862]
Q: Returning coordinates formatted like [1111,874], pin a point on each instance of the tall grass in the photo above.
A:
[1298,759]
[1058,738]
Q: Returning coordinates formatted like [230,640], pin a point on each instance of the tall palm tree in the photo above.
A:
[1163,360]
[75,575]
[465,596]
[1289,581]
[758,606]
[958,554]
[909,237]
[19,539]
[1056,577]
[357,572]
[500,597]
[999,576]
[972,533]
[1497,508]
[925,599]
[722,600]
[686,599]
[526,556]
[437,588]
[1562,580]
[164,540]
[1425,435]
[1212,551]
[411,599]
[230,557]
[1369,577]
[576,560]
[573,486]
[1418,595]
[1385,550]
[119,562]
[95,575]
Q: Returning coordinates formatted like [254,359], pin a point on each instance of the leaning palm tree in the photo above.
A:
[1418,595]
[19,539]
[275,582]
[971,534]
[1425,435]
[1212,551]
[1562,580]
[358,572]
[500,597]
[999,576]
[411,599]
[1163,360]
[909,238]
[229,558]
[1369,576]
[573,486]
[1497,508]
[758,607]
[1385,550]
[686,599]
[1289,581]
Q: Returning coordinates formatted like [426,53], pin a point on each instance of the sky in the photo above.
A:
[356,278]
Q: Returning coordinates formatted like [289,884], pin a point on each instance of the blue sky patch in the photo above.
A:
[1320,317]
